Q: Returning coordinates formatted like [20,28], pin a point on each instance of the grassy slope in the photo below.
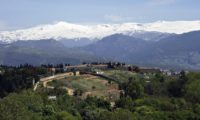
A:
[91,85]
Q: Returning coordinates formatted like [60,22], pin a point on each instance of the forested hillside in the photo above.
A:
[146,96]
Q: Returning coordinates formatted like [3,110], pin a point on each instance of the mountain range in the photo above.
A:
[38,52]
[64,30]
[177,51]
[174,45]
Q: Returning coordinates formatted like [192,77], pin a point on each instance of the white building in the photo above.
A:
[51,97]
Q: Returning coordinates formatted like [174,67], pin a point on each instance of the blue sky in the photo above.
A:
[16,14]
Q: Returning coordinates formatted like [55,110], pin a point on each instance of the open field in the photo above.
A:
[90,86]
[123,76]
[120,75]
[93,85]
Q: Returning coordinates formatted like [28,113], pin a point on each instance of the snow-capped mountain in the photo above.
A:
[64,30]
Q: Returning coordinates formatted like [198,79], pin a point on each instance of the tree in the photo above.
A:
[24,106]
[192,91]
[144,110]
[78,92]
[97,102]
[183,76]
[122,114]
[126,103]
[134,89]
[65,116]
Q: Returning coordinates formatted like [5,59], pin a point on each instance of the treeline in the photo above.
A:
[15,79]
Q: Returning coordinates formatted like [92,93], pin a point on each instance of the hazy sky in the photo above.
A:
[26,13]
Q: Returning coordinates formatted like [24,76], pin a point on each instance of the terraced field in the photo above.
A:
[90,85]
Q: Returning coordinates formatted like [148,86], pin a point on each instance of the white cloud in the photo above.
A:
[116,18]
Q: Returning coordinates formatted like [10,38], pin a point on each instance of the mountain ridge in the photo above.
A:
[42,52]
[177,51]
[64,30]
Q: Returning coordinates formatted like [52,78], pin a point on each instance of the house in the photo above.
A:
[52,70]
[170,72]
[147,81]
[167,72]
[52,98]
[99,72]
[76,73]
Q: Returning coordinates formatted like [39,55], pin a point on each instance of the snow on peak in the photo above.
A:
[66,30]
